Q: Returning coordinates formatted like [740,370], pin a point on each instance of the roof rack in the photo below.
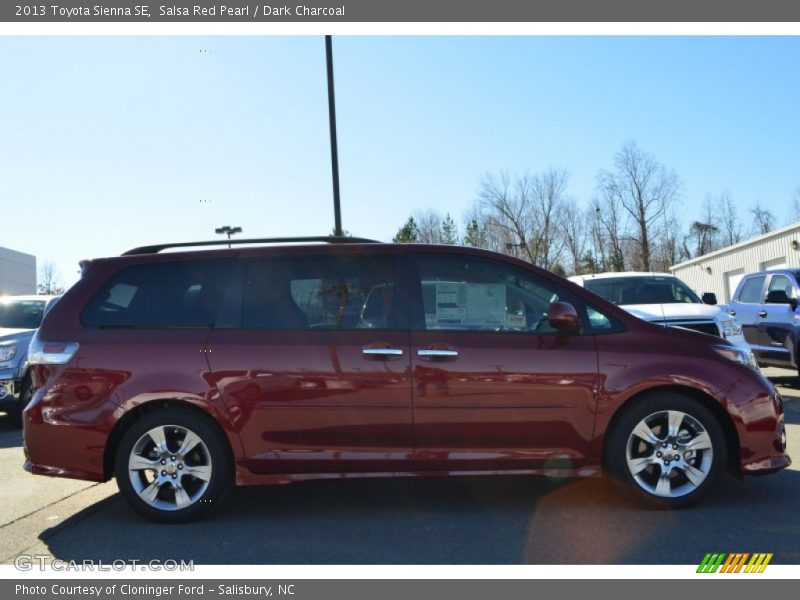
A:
[330,239]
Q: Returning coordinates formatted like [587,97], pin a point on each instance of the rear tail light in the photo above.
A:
[50,353]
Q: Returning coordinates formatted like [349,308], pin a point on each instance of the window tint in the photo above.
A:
[160,295]
[470,294]
[321,293]
[21,314]
[781,283]
[643,290]
[751,290]
[599,321]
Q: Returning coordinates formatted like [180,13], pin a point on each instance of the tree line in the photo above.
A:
[632,222]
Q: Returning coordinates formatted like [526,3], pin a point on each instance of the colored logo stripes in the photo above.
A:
[734,563]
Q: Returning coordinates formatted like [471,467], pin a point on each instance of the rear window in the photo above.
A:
[160,295]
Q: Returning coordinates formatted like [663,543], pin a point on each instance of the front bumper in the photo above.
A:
[9,389]
[762,432]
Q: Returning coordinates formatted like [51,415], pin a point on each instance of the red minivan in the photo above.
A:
[183,373]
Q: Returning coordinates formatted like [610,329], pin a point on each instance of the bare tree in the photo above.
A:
[49,280]
[575,226]
[523,214]
[763,219]
[671,249]
[796,204]
[730,227]
[645,190]
[608,232]
[429,226]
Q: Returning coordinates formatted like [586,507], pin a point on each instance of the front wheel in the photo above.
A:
[668,448]
[173,466]
[25,395]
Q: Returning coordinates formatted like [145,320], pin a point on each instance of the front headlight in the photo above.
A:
[731,327]
[7,352]
[741,355]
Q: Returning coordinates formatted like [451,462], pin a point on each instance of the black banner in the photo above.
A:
[405,11]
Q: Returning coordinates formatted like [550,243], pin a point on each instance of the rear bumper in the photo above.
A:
[62,443]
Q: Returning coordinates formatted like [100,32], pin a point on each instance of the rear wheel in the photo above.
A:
[173,466]
[668,448]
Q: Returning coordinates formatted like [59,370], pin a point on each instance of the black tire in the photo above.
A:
[205,495]
[24,398]
[653,410]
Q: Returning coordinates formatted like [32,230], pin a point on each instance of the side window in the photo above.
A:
[160,295]
[781,283]
[321,293]
[598,320]
[473,294]
[751,290]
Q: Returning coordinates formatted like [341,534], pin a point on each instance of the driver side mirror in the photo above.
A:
[563,317]
[780,297]
[710,298]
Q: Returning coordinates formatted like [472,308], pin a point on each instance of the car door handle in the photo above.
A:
[382,352]
[762,313]
[731,312]
[437,353]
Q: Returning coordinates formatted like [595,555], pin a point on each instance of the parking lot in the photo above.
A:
[482,520]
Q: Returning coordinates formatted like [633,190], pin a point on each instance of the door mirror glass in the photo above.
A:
[710,298]
[563,317]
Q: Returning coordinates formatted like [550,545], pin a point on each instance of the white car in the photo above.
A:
[664,299]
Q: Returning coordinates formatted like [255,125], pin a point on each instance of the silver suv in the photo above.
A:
[20,317]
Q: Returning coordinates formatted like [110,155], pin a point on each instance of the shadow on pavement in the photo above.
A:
[10,434]
[417,521]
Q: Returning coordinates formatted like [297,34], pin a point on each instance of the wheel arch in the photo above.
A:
[134,414]
[709,402]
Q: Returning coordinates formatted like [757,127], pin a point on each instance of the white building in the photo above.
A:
[17,273]
[721,270]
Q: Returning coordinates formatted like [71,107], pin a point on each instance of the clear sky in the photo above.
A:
[111,142]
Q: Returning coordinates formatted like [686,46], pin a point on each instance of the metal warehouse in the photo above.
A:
[17,273]
[721,270]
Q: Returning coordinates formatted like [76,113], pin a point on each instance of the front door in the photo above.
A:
[316,373]
[495,387]
[776,322]
[746,308]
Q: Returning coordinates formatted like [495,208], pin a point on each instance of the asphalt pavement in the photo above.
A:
[505,520]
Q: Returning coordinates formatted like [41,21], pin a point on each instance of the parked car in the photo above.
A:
[766,305]
[19,318]
[183,373]
[664,299]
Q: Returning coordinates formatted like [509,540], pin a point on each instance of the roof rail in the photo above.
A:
[330,239]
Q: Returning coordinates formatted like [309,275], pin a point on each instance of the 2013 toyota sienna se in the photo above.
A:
[184,373]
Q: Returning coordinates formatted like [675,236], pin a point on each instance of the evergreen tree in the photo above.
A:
[408,233]
[474,235]
[449,234]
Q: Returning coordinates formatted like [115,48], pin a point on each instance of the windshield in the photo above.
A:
[643,290]
[21,314]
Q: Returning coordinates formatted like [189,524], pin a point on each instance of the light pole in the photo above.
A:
[337,213]
[229,231]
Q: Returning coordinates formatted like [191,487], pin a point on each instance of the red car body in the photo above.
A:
[297,405]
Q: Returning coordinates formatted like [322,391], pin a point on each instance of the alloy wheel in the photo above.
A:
[170,467]
[669,454]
